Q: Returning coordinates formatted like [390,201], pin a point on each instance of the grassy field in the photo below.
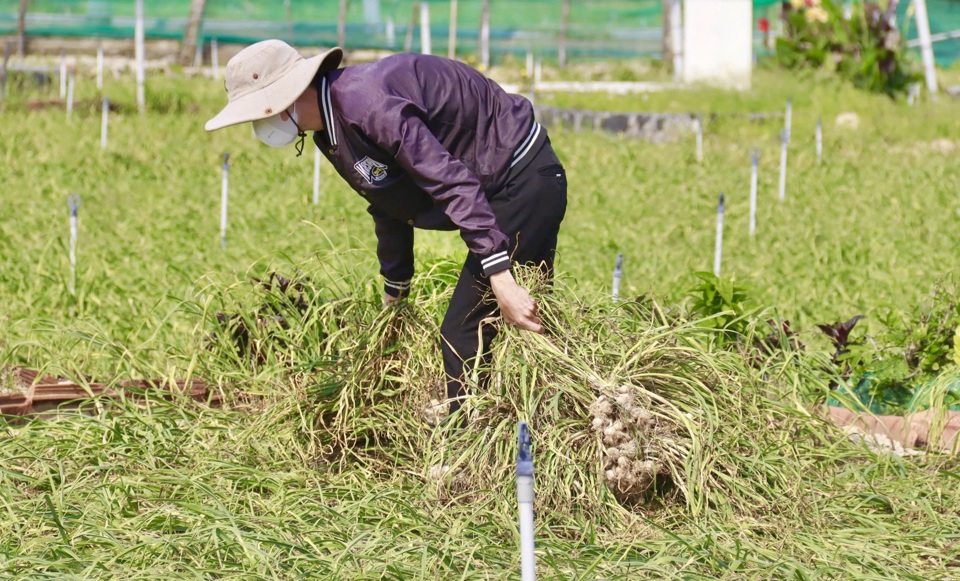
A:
[319,463]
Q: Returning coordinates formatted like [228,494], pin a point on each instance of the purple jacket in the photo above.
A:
[426,141]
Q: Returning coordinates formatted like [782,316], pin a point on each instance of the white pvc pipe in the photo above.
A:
[425,39]
[139,49]
[63,74]
[819,141]
[676,37]
[788,119]
[103,123]
[99,68]
[525,501]
[215,59]
[528,570]
[316,176]
[73,202]
[617,276]
[754,171]
[391,32]
[70,95]
[223,200]
[718,247]
[535,69]
[698,127]
[939,37]
[926,45]
[783,164]
[485,35]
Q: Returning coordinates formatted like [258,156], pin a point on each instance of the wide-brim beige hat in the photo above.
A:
[266,78]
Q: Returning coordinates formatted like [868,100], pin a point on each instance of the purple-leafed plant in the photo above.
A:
[839,334]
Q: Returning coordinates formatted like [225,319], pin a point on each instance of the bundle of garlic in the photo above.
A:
[628,430]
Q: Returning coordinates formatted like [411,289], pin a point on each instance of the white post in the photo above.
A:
[70,96]
[73,202]
[138,42]
[63,74]
[788,117]
[617,276]
[698,128]
[391,31]
[452,38]
[316,176]
[718,247]
[215,59]
[926,45]
[100,67]
[525,501]
[425,43]
[819,141]
[783,164]
[754,170]
[485,35]
[676,36]
[564,24]
[103,124]
[223,200]
[531,71]
[537,72]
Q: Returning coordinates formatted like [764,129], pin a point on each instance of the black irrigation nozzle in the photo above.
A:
[73,202]
[524,455]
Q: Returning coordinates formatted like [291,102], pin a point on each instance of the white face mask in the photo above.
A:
[276,132]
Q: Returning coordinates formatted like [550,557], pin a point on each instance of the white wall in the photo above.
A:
[718,42]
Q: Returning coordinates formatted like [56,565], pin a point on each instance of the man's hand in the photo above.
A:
[516,304]
[390,300]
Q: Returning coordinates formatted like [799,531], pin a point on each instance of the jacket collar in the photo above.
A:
[326,109]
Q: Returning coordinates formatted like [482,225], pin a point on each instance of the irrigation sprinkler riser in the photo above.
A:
[819,141]
[525,496]
[754,171]
[617,276]
[73,203]
[698,128]
[103,123]
[316,176]
[718,247]
[139,53]
[215,59]
[784,139]
[70,95]
[99,68]
[63,74]
[223,200]
[788,120]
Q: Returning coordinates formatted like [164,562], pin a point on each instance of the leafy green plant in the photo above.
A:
[863,46]
[723,304]
[927,337]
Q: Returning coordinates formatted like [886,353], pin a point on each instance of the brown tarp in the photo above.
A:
[926,430]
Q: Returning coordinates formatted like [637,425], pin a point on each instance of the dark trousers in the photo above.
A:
[529,210]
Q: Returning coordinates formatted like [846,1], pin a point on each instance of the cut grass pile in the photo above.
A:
[327,474]
[660,450]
